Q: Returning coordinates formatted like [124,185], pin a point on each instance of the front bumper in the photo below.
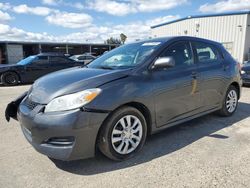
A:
[68,135]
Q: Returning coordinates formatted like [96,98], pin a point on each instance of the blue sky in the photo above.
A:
[97,20]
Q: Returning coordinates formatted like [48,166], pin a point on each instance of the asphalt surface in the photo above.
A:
[210,151]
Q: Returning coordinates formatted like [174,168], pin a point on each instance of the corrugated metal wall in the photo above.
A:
[247,41]
[229,30]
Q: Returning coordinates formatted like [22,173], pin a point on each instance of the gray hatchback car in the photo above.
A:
[128,93]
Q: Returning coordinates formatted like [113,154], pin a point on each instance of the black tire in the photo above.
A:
[104,139]
[224,111]
[9,79]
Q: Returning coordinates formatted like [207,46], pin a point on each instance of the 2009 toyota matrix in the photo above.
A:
[121,97]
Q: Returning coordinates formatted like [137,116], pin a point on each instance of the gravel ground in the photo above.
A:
[207,152]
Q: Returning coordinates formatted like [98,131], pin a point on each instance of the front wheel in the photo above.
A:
[123,134]
[9,78]
[230,102]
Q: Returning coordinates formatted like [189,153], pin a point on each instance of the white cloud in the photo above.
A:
[112,7]
[5,6]
[226,5]
[15,34]
[162,19]
[77,5]
[24,9]
[4,16]
[70,20]
[92,34]
[51,2]
[121,8]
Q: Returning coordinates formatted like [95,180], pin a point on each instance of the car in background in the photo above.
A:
[84,58]
[33,67]
[245,73]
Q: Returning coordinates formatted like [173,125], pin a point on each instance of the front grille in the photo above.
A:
[248,72]
[30,104]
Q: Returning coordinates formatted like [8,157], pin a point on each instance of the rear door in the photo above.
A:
[176,88]
[212,73]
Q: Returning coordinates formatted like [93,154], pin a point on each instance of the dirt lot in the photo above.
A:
[207,152]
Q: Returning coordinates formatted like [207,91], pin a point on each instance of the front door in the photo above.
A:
[176,88]
[59,63]
[37,68]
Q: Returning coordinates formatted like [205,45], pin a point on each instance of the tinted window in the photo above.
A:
[206,53]
[81,58]
[43,57]
[181,53]
[40,60]
[89,57]
[55,59]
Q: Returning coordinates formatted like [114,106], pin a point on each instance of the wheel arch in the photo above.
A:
[13,71]
[137,105]
[237,86]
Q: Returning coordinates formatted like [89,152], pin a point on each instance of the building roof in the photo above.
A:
[55,43]
[202,16]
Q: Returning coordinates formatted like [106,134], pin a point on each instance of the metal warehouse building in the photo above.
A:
[230,29]
[12,52]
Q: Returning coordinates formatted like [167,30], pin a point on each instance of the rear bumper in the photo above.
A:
[68,135]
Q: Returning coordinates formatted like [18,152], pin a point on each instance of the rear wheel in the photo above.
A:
[230,102]
[9,78]
[123,134]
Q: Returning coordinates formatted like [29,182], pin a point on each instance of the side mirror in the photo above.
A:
[164,62]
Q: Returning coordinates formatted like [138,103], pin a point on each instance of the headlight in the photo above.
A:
[72,101]
[242,72]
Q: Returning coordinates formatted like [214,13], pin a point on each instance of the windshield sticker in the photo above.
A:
[151,43]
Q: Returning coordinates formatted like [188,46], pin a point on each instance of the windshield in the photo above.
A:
[26,60]
[126,56]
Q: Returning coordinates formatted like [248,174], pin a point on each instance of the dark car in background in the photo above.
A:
[33,67]
[126,94]
[245,73]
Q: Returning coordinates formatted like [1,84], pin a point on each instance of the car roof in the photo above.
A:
[51,54]
[166,39]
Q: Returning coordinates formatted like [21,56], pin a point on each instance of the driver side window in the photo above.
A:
[181,53]
[40,60]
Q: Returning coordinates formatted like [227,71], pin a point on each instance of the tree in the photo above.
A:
[112,40]
[123,38]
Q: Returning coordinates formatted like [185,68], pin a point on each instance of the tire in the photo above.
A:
[9,79]
[120,140]
[231,99]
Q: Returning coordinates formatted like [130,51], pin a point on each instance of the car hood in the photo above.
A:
[70,81]
[8,65]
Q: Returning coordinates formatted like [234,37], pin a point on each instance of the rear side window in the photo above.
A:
[89,57]
[206,53]
[55,59]
[181,53]
[82,58]
[43,57]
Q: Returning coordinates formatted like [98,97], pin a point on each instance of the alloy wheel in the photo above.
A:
[127,134]
[231,102]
